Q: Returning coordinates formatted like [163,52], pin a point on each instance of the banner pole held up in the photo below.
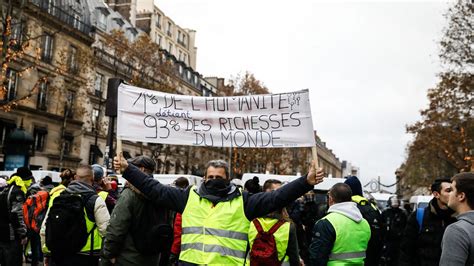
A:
[119,150]
[314,151]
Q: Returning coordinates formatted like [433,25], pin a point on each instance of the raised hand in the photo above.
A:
[315,176]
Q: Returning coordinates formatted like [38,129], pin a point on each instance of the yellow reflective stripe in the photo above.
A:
[214,248]
[214,232]
[347,255]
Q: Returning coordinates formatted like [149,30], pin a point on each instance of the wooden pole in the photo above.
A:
[119,150]
[314,151]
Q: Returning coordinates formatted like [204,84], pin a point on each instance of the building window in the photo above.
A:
[170,29]
[170,48]
[180,54]
[180,69]
[10,84]
[98,84]
[184,40]
[94,153]
[68,143]
[17,28]
[179,36]
[73,59]
[39,136]
[102,21]
[158,20]
[188,75]
[6,127]
[158,40]
[95,116]
[47,48]
[69,109]
[42,96]
[77,20]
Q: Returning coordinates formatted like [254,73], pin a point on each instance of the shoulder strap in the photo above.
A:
[276,226]
[89,204]
[8,197]
[257,224]
[420,212]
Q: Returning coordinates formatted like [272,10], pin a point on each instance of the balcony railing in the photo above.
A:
[63,15]
[113,61]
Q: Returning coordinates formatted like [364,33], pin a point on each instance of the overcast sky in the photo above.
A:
[367,65]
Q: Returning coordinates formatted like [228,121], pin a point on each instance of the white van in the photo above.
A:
[264,177]
[419,201]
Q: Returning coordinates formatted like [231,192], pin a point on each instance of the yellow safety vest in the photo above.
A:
[281,236]
[97,246]
[351,242]
[214,234]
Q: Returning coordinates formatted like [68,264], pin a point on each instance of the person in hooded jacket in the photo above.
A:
[89,255]
[119,244]
[458,240]
[422,246]
[342,236]
[216,215]
[12,226]
[372,214]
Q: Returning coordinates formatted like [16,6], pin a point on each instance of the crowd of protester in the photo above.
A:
[89,219]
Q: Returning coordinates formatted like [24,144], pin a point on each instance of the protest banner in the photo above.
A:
[253,121]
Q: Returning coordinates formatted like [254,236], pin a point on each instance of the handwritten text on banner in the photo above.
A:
[266,121]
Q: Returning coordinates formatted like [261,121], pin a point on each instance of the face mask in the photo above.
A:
[217,184]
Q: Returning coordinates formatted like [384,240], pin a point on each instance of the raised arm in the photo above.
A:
[260,204]
[166,196]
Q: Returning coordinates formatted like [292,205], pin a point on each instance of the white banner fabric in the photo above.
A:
[254,121]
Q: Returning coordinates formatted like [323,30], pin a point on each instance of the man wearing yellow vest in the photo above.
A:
[342,236]
[96,218]
[286,241]
[216,215]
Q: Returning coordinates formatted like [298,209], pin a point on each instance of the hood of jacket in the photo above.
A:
[467,216]
[348,209]
[78,187]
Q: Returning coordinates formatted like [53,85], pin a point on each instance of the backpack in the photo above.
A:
[150,235]
[34,210]
[66,230]
[264,250]
[420,213]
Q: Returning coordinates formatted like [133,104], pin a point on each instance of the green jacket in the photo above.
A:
[118,241]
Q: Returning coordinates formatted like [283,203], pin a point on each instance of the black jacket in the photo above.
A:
[118,242]
[12,226]
[255,205]
[321,246]
[395,220]
[424,248]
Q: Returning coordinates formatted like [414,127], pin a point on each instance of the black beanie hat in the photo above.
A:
[355,185]
[24,172]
